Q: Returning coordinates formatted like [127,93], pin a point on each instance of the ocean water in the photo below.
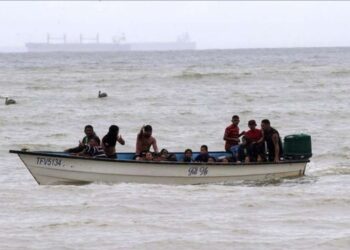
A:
[188,98]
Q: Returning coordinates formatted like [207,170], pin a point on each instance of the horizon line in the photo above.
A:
[23,49]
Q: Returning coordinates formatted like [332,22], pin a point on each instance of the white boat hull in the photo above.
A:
[54,169]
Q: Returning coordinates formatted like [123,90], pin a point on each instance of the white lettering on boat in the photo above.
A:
[52,162]
[197,171]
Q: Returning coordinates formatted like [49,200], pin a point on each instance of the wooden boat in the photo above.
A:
[61,168]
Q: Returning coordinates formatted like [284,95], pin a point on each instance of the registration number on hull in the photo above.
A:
[197,171]
[50,162]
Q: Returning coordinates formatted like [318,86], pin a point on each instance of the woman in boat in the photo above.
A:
[110,140]
[145,140]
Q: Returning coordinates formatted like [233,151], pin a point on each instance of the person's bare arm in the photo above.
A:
[231,139]
[225,136]
[121,140]
[155,147]
[138,142]
[138,146]
[262,137]
[81,144]
[275,140]
[242,133]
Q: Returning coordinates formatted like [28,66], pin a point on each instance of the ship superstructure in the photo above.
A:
[93,44]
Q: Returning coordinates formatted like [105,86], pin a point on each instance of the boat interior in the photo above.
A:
[179,155]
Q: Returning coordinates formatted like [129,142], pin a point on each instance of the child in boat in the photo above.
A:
[225,160]
[91,149]
[203,155]
[253,144]
[145,140]
[148,156]
[164,155]
[110,140]
[145,156]
[188,155]
[211,159]
[89,134]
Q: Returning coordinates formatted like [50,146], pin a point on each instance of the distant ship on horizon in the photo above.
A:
[118,44]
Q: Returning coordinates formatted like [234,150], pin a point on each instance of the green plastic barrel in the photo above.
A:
[297,146]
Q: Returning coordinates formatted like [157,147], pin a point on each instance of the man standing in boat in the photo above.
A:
[273,141]
[145,140]
[231,137]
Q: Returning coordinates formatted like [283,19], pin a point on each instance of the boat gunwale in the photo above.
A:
[38,153]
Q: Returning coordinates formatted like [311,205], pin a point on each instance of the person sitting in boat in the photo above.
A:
[145,140]
[89,135]
[231,137]
[225,160]
[253,144]
[211,159]
[273,141]
[145,156]
[203,155]
[91,149]
[110,140]
[188,155]
[164,155]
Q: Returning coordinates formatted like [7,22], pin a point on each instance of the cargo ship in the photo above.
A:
[60,44]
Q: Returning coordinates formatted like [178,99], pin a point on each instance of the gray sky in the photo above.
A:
[210,24]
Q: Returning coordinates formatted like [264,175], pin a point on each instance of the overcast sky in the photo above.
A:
[210,24]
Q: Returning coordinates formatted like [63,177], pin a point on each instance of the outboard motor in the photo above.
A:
[297,147]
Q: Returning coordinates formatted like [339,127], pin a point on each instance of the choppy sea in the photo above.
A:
[188,98]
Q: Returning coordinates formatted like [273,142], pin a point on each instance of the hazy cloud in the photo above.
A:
[210,24]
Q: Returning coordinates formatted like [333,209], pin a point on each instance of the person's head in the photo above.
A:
[113,130]
[149,156]
[147,131]
[93,143]
[235,120]
[89,130]
[252,124]
[225,160]
[211,159]
[188,153]
[265,125]
[164,153]
[204,149]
